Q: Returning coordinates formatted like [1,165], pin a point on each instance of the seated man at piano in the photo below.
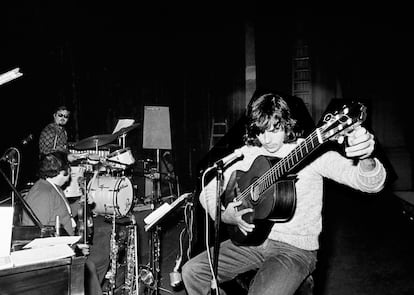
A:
[49,204]
[283,253]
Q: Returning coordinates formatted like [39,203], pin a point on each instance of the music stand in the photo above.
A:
[156,135]
[163,211]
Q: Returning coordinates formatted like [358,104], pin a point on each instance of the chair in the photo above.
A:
[240,285]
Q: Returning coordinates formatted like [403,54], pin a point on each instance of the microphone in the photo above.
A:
[27,139]
[9,155]
[228,159]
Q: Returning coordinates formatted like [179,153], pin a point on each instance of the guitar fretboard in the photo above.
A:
[286,164]
[335,124]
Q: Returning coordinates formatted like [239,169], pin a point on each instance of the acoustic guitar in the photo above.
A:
[269,189]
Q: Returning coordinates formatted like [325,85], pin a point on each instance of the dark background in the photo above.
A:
[106,61]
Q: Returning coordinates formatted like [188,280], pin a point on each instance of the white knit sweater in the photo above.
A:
[303,229]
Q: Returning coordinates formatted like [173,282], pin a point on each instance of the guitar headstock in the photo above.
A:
[343,121]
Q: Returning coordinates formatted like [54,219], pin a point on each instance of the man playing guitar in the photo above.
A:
[274,221]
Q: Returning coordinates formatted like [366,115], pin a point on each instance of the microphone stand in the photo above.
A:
[216,248]
[22,231]
[25,205]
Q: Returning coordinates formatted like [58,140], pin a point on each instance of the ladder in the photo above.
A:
[218,130]
[302,73]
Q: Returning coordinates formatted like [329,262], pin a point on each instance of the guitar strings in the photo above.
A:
[268,176]
[278,166]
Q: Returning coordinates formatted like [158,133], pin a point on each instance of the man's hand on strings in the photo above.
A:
[231,215]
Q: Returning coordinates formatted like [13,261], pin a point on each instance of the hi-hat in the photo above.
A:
[94,141]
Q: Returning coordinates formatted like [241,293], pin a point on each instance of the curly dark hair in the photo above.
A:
[61,108]
[52,163]
[266,112]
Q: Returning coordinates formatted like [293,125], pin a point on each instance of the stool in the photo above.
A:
[240,284]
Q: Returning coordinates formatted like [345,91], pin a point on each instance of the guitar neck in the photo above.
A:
[286,164]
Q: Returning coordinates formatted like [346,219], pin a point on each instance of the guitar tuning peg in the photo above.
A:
[346,110]
[327,117]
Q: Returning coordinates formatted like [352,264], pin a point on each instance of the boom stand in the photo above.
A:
[220,178]
[45,230]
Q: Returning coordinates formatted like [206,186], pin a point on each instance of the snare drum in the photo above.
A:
[111,195]
[73,189]
[122,158]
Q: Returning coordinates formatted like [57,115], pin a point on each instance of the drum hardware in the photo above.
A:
[121,134]
[120,159]
[102,152]
[146,275]
[115,165]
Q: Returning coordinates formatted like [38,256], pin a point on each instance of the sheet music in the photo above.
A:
[42,254]
[6,225]
[161,211]
[122,123]
[52,241]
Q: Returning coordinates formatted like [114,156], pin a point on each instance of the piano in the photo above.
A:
[60,277]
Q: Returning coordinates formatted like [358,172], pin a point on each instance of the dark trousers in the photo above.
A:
[98,260]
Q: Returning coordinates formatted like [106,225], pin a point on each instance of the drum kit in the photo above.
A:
[105,167]
[105,171]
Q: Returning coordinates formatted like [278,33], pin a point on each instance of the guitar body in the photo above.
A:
[277,203]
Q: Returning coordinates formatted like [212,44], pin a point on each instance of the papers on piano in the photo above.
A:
[41,254]
[40,250]
[6,224]
[157,215]
[52,241]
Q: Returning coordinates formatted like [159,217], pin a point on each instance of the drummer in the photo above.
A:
[54,137]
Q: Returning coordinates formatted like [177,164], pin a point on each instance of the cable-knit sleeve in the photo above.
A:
[343,170]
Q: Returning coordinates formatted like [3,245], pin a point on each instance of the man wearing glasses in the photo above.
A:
[54,137]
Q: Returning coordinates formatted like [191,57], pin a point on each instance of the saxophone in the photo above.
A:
[131,283]
[114,257]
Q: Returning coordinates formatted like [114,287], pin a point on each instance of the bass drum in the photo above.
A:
[111,195]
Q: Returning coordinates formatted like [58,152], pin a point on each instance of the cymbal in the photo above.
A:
[94,141]
[111,146]
[126,129]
